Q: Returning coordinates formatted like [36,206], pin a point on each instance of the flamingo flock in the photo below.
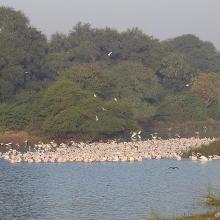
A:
[105,152]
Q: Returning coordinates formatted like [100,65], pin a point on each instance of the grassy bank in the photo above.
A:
[206,150]
[211,201]
[209,216]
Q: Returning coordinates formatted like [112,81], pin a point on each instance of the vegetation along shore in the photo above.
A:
[211,201]
[95,82]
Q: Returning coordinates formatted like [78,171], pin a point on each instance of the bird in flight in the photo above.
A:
[110,53]
[174,168]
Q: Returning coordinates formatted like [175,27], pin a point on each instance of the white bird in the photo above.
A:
[133,134]
[95,95]
[177,135]
[110,53]
[139,135]
[203,158]
[115,99]
[96,118]
[187,85]
[210,157]
[154,136]
[103,109]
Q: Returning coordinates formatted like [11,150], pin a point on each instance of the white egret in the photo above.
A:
[133,134]
[110,53]
[177,135]
[203,158]
[154,136]
[139,135]
[103,109]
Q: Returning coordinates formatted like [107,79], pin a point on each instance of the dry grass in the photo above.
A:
[209,216]
[213,201]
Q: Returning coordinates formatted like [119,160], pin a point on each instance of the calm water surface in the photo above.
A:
[104,191]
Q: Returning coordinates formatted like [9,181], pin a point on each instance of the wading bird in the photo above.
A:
[103,109]
[154,135]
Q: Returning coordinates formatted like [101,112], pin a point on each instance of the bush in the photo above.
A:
[66,108]
[183,106]
[214,111]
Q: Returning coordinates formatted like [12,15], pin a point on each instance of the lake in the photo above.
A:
[105,191]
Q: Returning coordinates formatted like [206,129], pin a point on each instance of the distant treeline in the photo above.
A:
[96,81]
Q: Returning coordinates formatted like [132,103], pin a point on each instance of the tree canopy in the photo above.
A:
[101,81]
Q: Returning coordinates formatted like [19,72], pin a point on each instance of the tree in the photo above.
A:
[22,52]
[181,107]
[125,80]
[201,55]
[207,86]
[174,71]
[66,109]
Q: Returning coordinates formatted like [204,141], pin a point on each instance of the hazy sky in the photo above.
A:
[161,18]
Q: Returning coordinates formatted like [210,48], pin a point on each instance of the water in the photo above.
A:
[104,191]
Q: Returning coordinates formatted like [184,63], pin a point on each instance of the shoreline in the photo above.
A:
[103,152]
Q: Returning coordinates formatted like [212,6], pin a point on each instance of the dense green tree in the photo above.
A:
[22,52]
[174,72]
[66,108]
[199,54]
[182,107]
[214,111]
[71,84]
[125,80]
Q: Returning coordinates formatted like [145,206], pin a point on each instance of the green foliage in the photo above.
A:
[20,112]
[49,86]
[214,111]
[22,52]
[118,117]
[182,107]
[206,150]
[127,79]
[66,108]
[199,54]
[174,72]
